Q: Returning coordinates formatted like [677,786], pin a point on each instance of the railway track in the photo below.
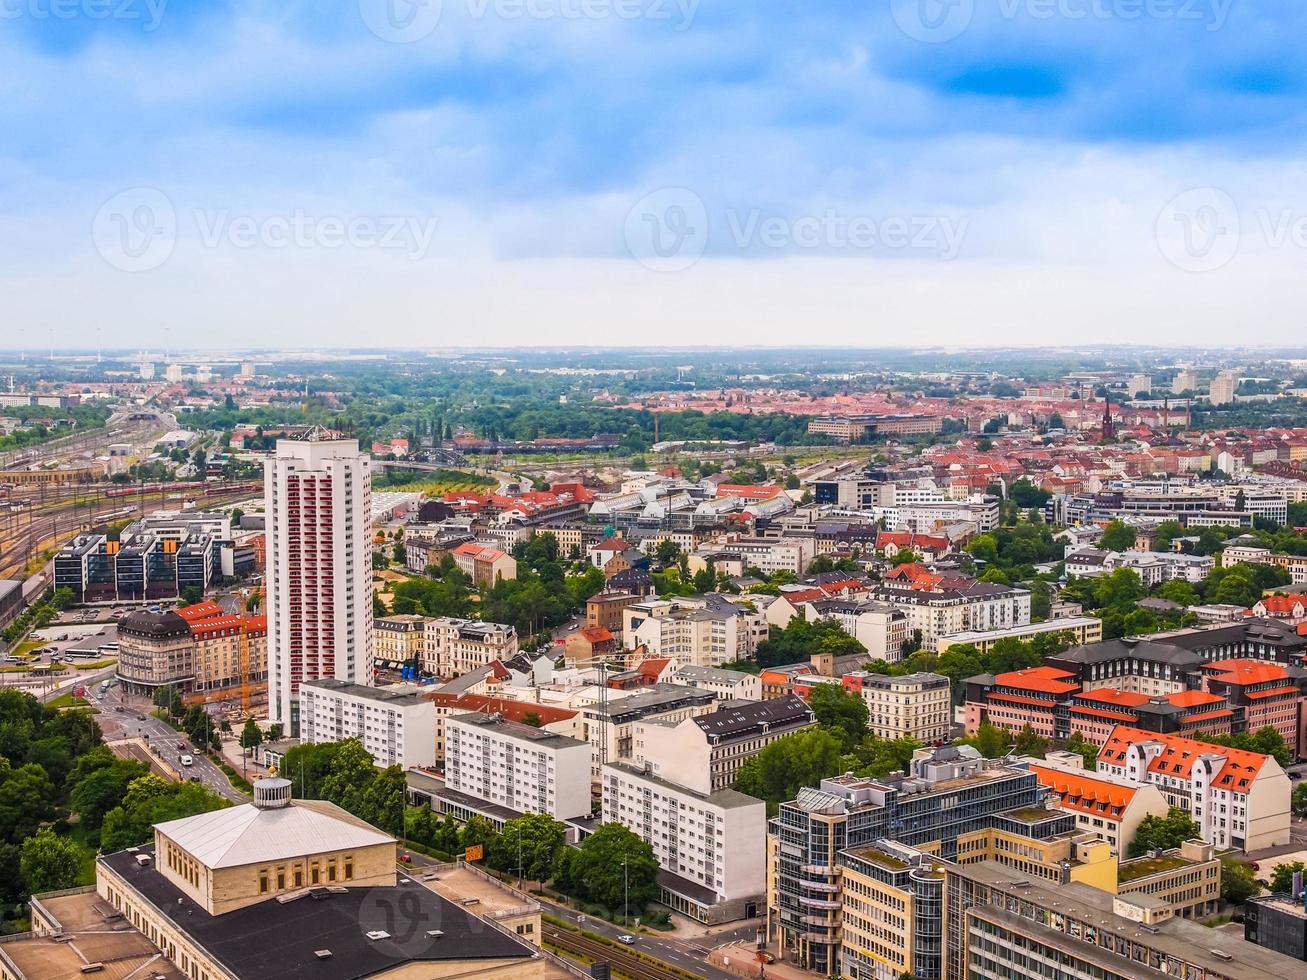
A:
[623,961]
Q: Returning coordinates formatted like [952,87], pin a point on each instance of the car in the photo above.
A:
[626,939]
[120,709]
[187,760]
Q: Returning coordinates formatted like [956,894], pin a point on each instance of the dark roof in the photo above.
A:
[743,719]
[142,622]
[1108,650]
[275,941]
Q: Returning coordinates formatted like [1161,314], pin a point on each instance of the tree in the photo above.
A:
[529,846]
[802,640]
[191,595]
[779,771]
[1238,881]
[839,711]
[667,553]
[401,553]
[1163,833]
[1180,591]
[479,832]
[1299,799]
[1118,536]
[533,719]
[990,741]
[1282,876]
[100,790]
[616,869]
[251,736]
[1086,749]
[1028,742]
[50,862]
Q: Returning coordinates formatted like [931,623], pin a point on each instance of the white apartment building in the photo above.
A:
[690,634]
[610,728]
[452,647]
[396,726]
[916,705]
[773,554]
[1223,387]
[709,846]
[317,501]
[1238,799]
[878,626]
[980,606]
[521,767]
[704,752]
[728,685]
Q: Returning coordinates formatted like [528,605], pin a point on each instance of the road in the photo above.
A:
[135,721]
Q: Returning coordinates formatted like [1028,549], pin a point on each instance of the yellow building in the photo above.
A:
[283,887]
[890,904]
[1186,878]
[1044,844]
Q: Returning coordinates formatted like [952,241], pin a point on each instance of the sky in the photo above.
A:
[435,173]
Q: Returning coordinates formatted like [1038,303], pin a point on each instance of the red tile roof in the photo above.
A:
[1178,755]
[510,709]
[1047,680]
[1080,791]
[1242,671]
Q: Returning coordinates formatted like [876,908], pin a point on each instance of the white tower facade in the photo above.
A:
[318,500]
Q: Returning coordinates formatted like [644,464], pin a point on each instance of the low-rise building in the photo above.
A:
[1078,629]
[517,766]
[1112,808]
[879,626]
[397,726]
[452,647]
[1187,878]
[484,564]
[1277,922]
[728,685]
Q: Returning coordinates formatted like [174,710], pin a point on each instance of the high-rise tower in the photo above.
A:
[317,496]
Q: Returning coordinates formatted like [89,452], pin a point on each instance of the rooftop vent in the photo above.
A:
[143,860]
[435,933]
[93,968]
[376,934]
[322,954]
[1221,954]
[271,793]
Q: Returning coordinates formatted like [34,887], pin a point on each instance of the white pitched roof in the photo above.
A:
[247,834]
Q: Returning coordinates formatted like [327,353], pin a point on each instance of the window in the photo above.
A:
[263,883]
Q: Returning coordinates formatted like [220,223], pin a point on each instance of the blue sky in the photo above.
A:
[610,171]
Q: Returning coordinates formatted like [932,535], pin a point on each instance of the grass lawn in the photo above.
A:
[441,482]
[27,646]
[1141,867]
[68,700]
[98,665]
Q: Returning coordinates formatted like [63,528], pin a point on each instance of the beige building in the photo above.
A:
[229,649]
[1186,878]
[399,639]
[283,887]
[483,564]
[916,705]
[155,650]
[452,647]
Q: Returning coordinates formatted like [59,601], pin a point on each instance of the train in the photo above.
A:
[127,491]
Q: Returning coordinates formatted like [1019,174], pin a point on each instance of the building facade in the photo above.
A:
[397,727]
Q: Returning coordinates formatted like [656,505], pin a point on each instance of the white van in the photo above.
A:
[187,761]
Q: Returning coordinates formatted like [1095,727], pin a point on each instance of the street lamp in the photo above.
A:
[626,894]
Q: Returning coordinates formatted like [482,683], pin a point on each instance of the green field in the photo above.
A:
[438,483]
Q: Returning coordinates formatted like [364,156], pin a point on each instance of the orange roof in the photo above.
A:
[510,709]
[1273,692]
[1208,716]
[1080,791]
[756,492]
[1178,755]
[201,610]
[1192,699]
[1080,709]
[478,551]
[1247,671]
[1047,680]
[653,667]
[596,634]
[1110,695]
[1281,605]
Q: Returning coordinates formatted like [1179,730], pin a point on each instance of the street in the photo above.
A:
[135,721]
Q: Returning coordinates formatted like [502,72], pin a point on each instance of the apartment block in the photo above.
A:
[317,496]
[523,768]
[397,727]
[614,740]
[879,626]
[1238,799]
[707,844]
[918,706]
[452,647]
[728,685]
[704,753]
[941,608]
[398,639]
[693,633]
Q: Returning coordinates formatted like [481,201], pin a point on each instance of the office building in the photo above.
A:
[707,844]
[948,793]
[396,726]
[1277,922]
[999,924]
[523,768]
[317,501]
[1186,878]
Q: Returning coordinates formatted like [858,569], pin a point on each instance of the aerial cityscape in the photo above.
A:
[653,489]
[651,662]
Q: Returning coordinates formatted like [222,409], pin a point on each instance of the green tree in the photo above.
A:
[529,846]
[839,711]
[1028,742]
[801,641]
[100,790]
[1179,590]
[1086,749]
[1282,877]
[533,719]
[779,771]
[990,741]
[1299,799]
[616,869]
[1238,881]
[1163,833]
[667,553]
[251,736]
[1118,536]
[50,862]
[479,832]
[27,799]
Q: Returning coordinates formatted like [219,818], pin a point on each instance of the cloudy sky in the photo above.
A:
[443,172]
